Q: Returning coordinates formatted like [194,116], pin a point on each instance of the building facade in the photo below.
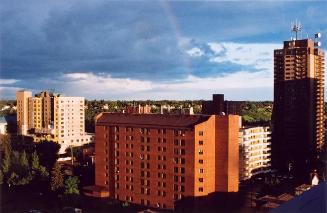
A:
[298,113]
[22,97]
[52,117]
[3,125]
[219,106]
[155,160]
[255,151]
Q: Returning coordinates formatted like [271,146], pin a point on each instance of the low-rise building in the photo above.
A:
[255,146]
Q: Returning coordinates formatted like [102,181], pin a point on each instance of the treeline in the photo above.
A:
[257,113]
[94,107]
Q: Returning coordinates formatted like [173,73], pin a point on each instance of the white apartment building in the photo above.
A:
[69,119]
[52,117]
[255,147]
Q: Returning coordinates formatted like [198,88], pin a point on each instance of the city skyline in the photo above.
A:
[142,50]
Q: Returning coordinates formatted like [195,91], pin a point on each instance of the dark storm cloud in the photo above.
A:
[124,40]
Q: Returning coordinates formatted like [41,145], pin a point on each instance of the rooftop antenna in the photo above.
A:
[296,27]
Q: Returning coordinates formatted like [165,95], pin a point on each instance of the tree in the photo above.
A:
[1,177]
[35,161]
[19,169]
[71,185]
[37,169]
[5,161]
[57,178]
[48,153]
[5,150]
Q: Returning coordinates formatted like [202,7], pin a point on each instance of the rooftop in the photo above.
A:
[162,120]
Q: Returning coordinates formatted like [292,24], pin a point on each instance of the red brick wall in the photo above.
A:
[227,153]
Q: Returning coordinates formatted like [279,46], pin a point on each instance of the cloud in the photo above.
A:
[93,85]
[101,83]
[260,56]
[141,47]
[8,93]
[195,52]
[8,81]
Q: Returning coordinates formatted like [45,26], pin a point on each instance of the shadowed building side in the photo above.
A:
[298,119]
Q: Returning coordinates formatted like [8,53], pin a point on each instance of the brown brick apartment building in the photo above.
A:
[155,160]
[298,113]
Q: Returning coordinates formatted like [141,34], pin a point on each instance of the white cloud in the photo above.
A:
[195,52]
[8,92]
[93,85]
[260,56]
[100,84]
[8,81]
[216,47]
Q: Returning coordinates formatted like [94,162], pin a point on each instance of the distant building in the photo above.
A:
[53,117]
[3,125]
[164,109]
[219,106]
[139,109]
[298,112]
[255,147]
[22,111]
[155,160]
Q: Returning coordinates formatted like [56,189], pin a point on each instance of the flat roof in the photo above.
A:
[154,120]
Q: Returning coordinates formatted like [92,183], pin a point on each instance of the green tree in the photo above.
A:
[5,161]
[19,169]
[71,185]
[48,153]
[57,178]
[1,177]
[37,169]
[5,150]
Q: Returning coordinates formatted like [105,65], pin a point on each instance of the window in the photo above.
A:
[201,133]
[183,179]
[200,189]
[182,160]
[200,161]
[200,143]
[176,169]
[201,180]
[182,170]
[200,151]
[201,170]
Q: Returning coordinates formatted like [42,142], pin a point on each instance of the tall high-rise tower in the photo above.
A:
[298,114]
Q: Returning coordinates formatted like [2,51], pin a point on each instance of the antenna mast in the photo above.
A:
[296,27]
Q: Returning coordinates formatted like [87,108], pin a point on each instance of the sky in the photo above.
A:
[140,50]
